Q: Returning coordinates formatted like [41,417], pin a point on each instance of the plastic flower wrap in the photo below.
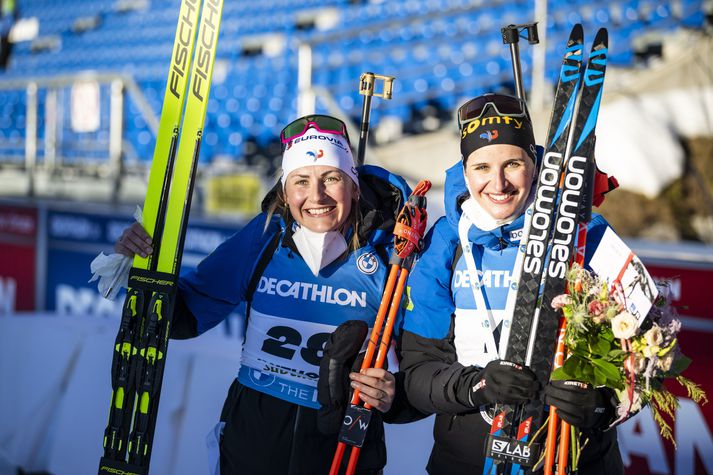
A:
[607,347]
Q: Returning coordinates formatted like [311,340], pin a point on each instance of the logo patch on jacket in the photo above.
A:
[367,263]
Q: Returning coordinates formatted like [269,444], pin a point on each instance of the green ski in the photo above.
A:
[142,341]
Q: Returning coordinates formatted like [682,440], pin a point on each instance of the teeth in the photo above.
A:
[499,197]
[319,211]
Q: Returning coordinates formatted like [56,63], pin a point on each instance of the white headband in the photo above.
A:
[319,148]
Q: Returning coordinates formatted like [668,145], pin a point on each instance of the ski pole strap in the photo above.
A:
[411,222]
[603,184]
[405,231]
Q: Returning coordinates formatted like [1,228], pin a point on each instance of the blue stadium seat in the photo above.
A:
[438,58]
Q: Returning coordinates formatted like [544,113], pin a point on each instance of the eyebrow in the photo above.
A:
[320,176]
[484,162]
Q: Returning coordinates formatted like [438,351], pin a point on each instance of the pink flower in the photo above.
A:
[561,300]
[596,307]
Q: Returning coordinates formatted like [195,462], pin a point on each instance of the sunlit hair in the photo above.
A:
[278,205]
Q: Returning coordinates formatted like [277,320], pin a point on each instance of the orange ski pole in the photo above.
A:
[373,339]
[560,353]
[408,238]
[383,350]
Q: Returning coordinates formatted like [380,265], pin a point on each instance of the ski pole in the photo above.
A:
[367,83]
[511,36]
[408,238]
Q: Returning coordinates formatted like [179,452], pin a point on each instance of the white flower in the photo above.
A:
[624,325]
[636,364]
[654,337]
[623,409]
[665,363]
[650,351]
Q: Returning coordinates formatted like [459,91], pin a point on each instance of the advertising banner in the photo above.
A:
[75,239]
[18,258]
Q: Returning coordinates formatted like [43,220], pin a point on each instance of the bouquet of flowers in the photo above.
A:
[607,347]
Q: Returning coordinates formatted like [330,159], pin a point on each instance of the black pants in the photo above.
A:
[266,435]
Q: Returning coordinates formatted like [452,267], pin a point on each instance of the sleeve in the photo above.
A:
[219,283]
[595,231]
[428,356]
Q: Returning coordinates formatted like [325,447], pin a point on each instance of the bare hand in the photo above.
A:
[134,240]
[377,387]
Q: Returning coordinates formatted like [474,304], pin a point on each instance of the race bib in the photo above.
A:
[281,357]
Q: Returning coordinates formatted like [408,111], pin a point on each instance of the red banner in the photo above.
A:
[643,448]
[18,237]
[691,288]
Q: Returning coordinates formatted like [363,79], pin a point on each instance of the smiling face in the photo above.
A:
[500,177]
[320,197]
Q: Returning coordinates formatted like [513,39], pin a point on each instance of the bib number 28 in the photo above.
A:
[284,342]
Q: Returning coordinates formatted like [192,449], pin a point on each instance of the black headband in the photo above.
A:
[492,129]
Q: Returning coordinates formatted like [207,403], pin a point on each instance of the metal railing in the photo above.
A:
[43,153]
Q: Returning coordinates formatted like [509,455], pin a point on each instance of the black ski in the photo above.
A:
[539,341]
[539,230]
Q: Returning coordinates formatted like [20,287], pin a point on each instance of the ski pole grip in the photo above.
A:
[510,34]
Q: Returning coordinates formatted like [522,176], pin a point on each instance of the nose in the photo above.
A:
[316,191]
[499,180]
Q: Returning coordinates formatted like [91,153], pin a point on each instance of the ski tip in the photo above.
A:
[602,36]
[575,42]
[576,38]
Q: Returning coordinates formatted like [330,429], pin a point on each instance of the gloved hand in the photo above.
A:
[581,405]
[499,382]
[333,386]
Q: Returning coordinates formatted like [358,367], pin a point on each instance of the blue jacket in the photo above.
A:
[271,407]
[444,335]
[293,311]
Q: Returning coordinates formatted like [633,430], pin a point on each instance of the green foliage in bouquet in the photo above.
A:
[607,347]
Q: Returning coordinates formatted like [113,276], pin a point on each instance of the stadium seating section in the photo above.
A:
[440,50]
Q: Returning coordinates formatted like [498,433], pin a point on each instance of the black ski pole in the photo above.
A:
[511,36]
[367,82]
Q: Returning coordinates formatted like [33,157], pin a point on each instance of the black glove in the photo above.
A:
[340,358]
[581,405]
[499,382]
